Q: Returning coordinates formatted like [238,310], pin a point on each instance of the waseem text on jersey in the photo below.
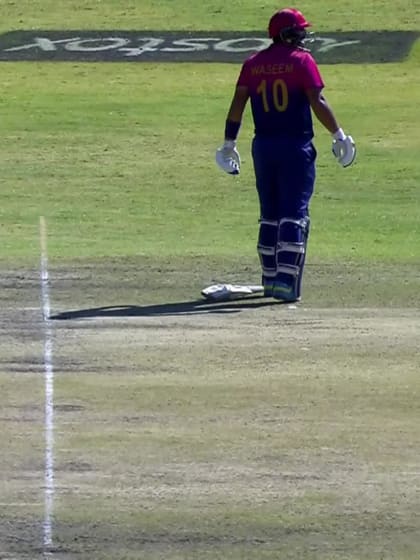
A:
[271,69]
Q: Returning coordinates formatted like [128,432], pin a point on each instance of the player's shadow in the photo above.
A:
[166,309]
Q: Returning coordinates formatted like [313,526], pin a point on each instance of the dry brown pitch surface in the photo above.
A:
[183,430]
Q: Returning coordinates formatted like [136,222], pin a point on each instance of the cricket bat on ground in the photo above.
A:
[228,292]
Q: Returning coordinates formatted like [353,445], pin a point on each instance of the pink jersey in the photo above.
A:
[277,78]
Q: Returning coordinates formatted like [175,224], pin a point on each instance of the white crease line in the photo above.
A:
[49,390]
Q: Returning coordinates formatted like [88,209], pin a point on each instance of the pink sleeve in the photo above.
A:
[311,76]
[242,80]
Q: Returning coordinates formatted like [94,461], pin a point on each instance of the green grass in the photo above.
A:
[120,160]
[214,14]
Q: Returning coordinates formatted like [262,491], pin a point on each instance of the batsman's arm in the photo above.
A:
[235,113]
[227,157]
[343,147]
[322,110]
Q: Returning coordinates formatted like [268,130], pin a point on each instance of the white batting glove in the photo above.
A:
[228,158]
[343,148]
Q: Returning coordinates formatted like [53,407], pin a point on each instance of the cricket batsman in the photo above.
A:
[284,86]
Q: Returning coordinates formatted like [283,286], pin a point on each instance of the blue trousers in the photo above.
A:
[285,178]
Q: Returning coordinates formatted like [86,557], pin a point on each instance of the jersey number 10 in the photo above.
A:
[280,95]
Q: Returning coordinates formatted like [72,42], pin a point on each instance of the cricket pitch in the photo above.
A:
[188,430]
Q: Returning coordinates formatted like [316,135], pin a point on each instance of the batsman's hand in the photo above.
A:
[228,158]
[343,148]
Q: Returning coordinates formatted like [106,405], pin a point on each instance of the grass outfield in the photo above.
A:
[120,166]
[116,156]
[183,14]
[242,431]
